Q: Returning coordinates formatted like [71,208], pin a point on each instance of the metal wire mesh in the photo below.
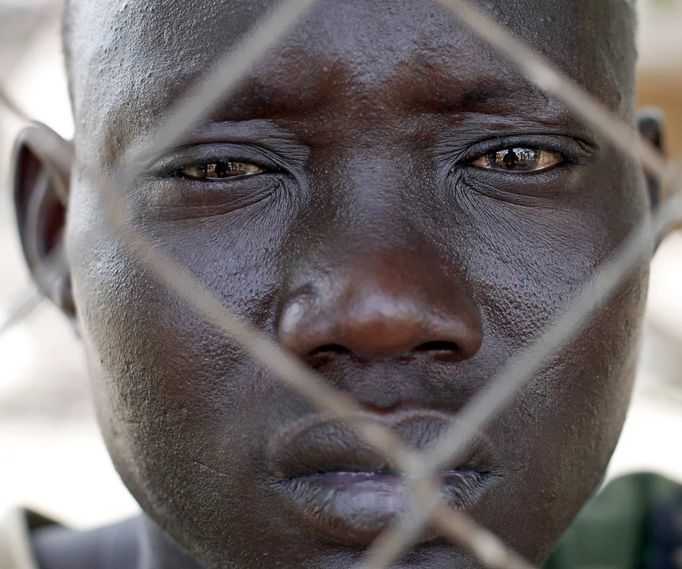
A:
[421,470]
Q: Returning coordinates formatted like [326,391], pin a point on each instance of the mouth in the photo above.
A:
[345,491]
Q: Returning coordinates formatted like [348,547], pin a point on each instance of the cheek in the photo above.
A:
[178,403]
[564,425]
[525,266]
[526,261]
[136,324]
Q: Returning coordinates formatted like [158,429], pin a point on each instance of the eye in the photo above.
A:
[518,159]
[220,170]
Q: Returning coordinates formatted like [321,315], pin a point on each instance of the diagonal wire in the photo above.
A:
[177,278]
[170,272]
[21,309]
[218,84]
[488,548]
[636,248]
[12,106]
[540,71]
[41,17]
[510,380]
[183,116]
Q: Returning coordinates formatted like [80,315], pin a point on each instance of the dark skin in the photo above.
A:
[386,199]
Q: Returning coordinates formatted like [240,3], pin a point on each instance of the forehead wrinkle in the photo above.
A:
[130,73]
[419,85]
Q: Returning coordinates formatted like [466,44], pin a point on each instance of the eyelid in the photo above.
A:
[169,166]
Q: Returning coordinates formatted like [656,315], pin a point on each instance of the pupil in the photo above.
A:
[510,159]
[223,169]
[518,158]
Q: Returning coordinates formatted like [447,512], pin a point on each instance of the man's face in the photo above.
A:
[387,199]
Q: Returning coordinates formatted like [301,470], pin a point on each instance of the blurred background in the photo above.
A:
[51,455]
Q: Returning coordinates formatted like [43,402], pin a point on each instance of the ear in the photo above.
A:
[42,167]
[650,124]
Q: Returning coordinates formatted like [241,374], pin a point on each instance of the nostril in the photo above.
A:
[324,353]
[330,349]
[441,350]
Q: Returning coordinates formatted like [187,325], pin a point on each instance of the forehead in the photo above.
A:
[132,58]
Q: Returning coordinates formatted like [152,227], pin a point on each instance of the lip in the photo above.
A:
[347,492]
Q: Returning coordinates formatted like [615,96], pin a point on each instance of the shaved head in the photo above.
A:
[569,33]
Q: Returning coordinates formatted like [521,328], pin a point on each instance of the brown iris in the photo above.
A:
[519,159]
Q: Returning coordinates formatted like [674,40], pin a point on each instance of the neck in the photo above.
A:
[159,551]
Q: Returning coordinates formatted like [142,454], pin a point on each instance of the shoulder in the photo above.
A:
[634,522]
[16,526]
[31,541]
[114,546]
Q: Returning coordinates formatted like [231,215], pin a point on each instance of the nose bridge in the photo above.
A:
[374,184]
[388,303]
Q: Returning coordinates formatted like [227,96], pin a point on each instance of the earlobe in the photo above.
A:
[650,125]
[42,166]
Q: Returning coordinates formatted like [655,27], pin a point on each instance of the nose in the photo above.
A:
[382,307]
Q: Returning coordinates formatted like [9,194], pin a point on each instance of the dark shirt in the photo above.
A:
[634,523]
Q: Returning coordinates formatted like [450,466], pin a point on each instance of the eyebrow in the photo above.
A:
[503,94]
[257,100]
[422,89]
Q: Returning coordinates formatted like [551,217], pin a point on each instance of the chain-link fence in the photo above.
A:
[421,470]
